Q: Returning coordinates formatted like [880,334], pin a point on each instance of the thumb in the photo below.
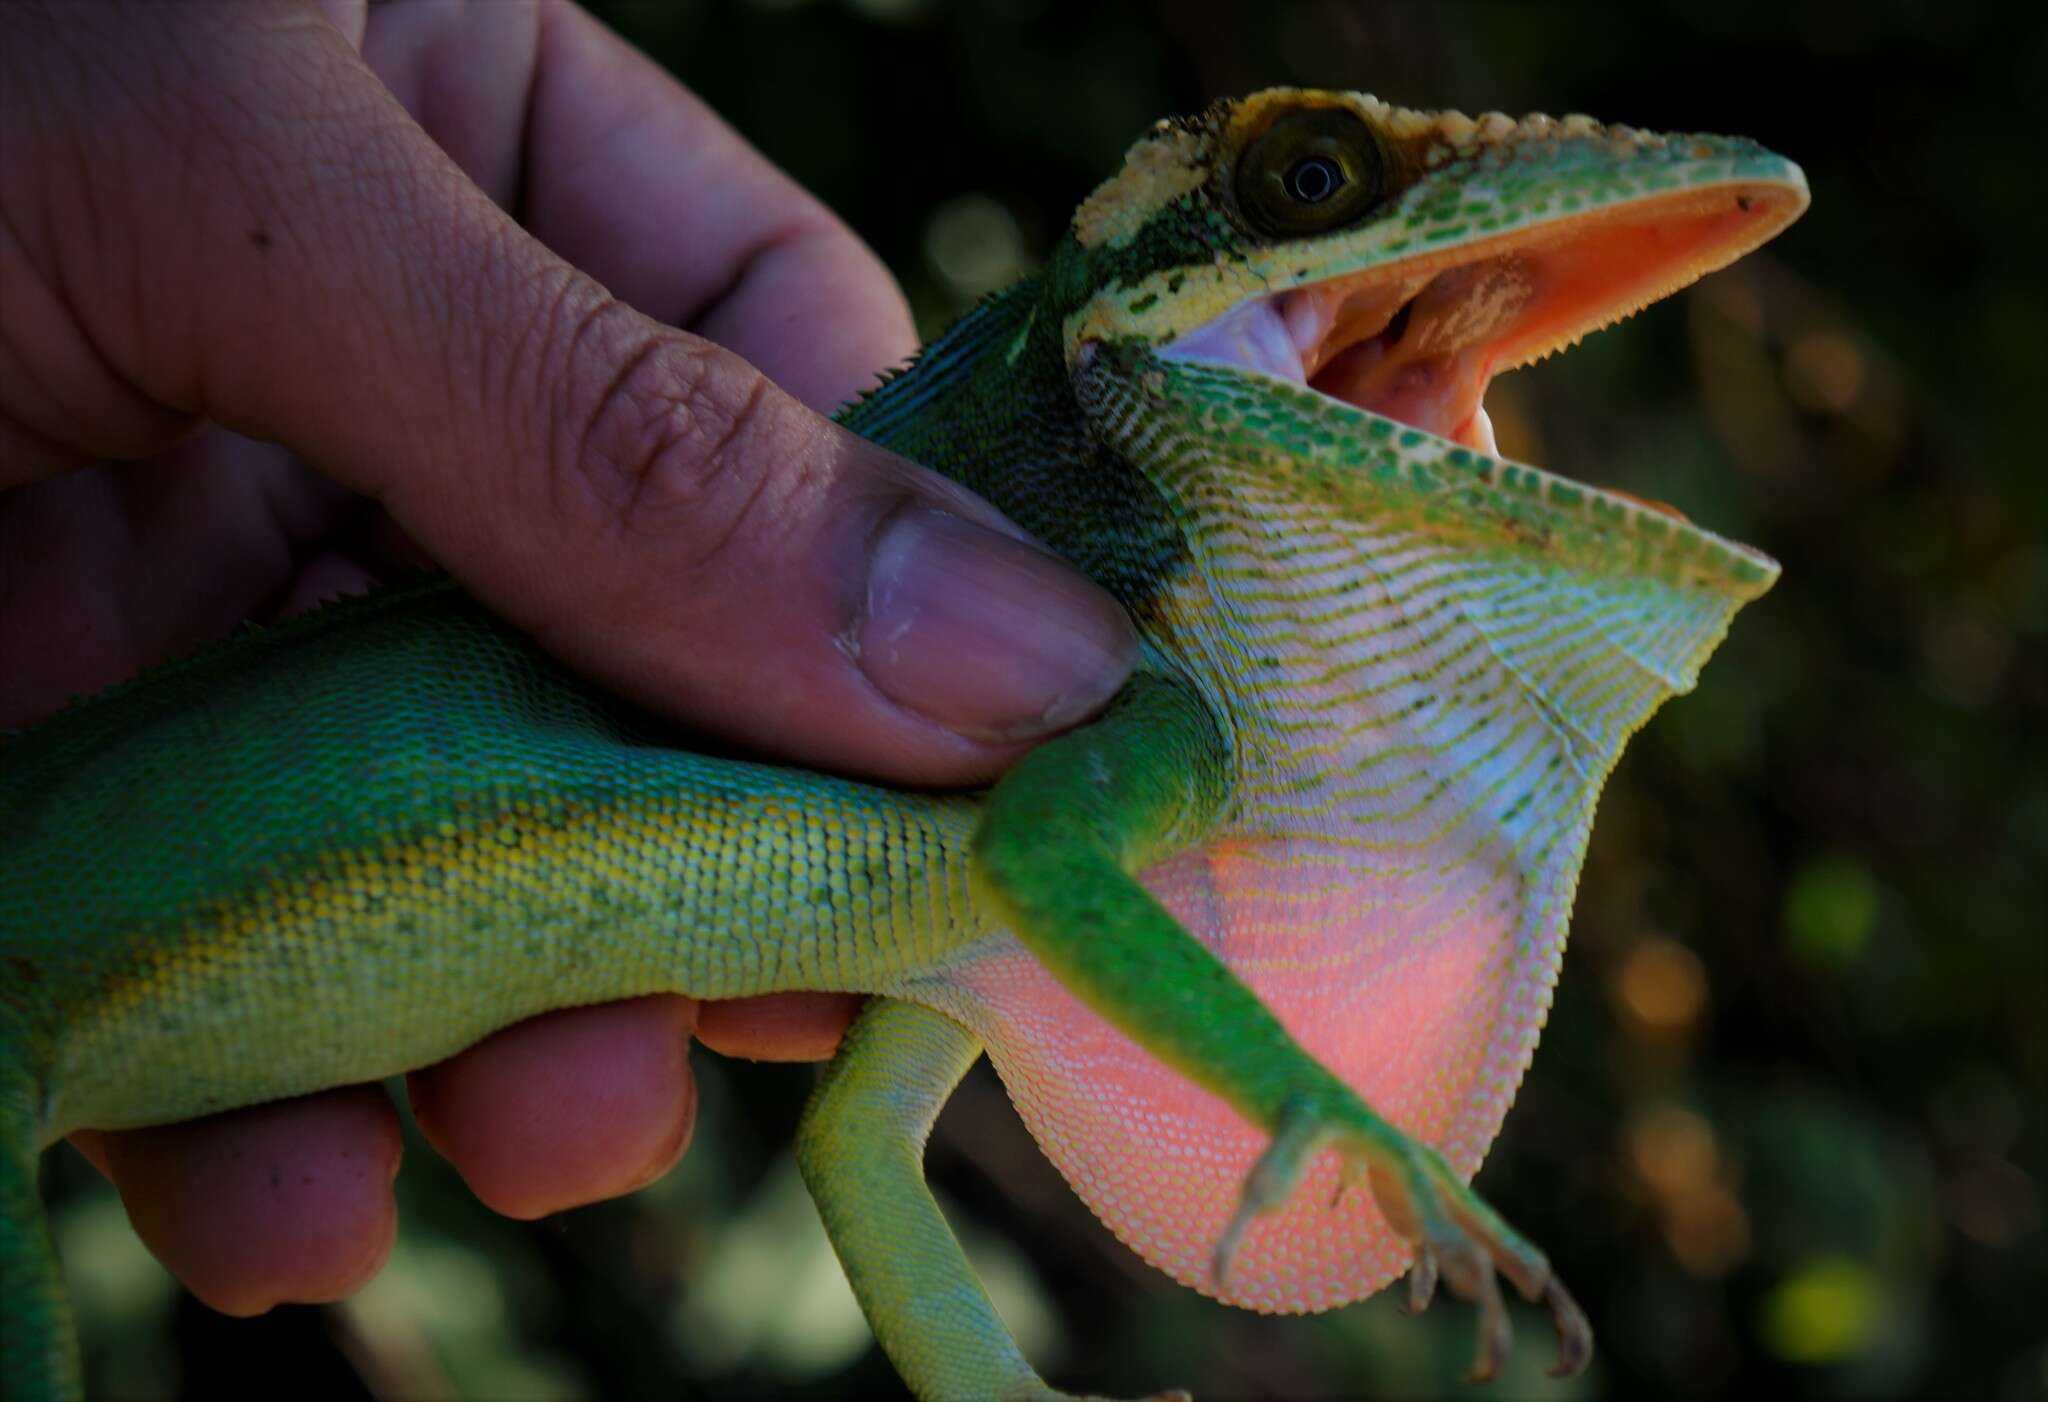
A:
[281,249]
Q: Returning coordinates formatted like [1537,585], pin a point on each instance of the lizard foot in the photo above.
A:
[1457,1237]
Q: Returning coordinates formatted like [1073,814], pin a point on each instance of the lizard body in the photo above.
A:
[1285,916]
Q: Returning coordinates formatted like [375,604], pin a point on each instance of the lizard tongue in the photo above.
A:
[1253,336]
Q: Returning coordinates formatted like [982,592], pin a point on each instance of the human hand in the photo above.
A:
[272,326]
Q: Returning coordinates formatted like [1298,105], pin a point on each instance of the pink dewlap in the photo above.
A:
[1401,988]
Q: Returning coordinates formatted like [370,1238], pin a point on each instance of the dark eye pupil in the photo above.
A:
[1314,179]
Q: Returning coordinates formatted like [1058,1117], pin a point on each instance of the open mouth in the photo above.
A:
[1420,339]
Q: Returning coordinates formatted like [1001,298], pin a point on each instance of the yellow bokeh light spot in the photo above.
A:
[1663,986]
[1826,1310]
[1673,1149]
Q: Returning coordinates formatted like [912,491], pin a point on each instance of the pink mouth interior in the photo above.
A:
[1419,342]
[1420,351]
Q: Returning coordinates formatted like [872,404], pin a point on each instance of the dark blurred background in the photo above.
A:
[1786,1129]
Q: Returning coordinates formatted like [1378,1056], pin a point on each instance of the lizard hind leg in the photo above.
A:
[39,1362]
[861,1149]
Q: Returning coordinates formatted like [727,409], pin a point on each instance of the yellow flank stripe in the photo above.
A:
[773,897]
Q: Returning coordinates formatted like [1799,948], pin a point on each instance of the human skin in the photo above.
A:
[296,295]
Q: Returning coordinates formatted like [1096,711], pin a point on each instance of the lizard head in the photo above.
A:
[1397,260]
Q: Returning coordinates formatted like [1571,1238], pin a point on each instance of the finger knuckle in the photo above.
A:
[680,441]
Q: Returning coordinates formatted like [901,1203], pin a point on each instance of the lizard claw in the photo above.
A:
[1421,1281]
[1574,1334]
[1494,1332]
[1349,1176]
[1272,1178]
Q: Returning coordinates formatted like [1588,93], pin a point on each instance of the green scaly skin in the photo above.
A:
[1384,676]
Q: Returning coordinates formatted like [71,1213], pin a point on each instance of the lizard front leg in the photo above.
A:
[861,1149]
[1060,837]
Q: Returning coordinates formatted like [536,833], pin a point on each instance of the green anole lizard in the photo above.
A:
[1261,953]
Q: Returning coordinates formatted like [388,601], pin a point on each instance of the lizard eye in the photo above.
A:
[1313,170]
